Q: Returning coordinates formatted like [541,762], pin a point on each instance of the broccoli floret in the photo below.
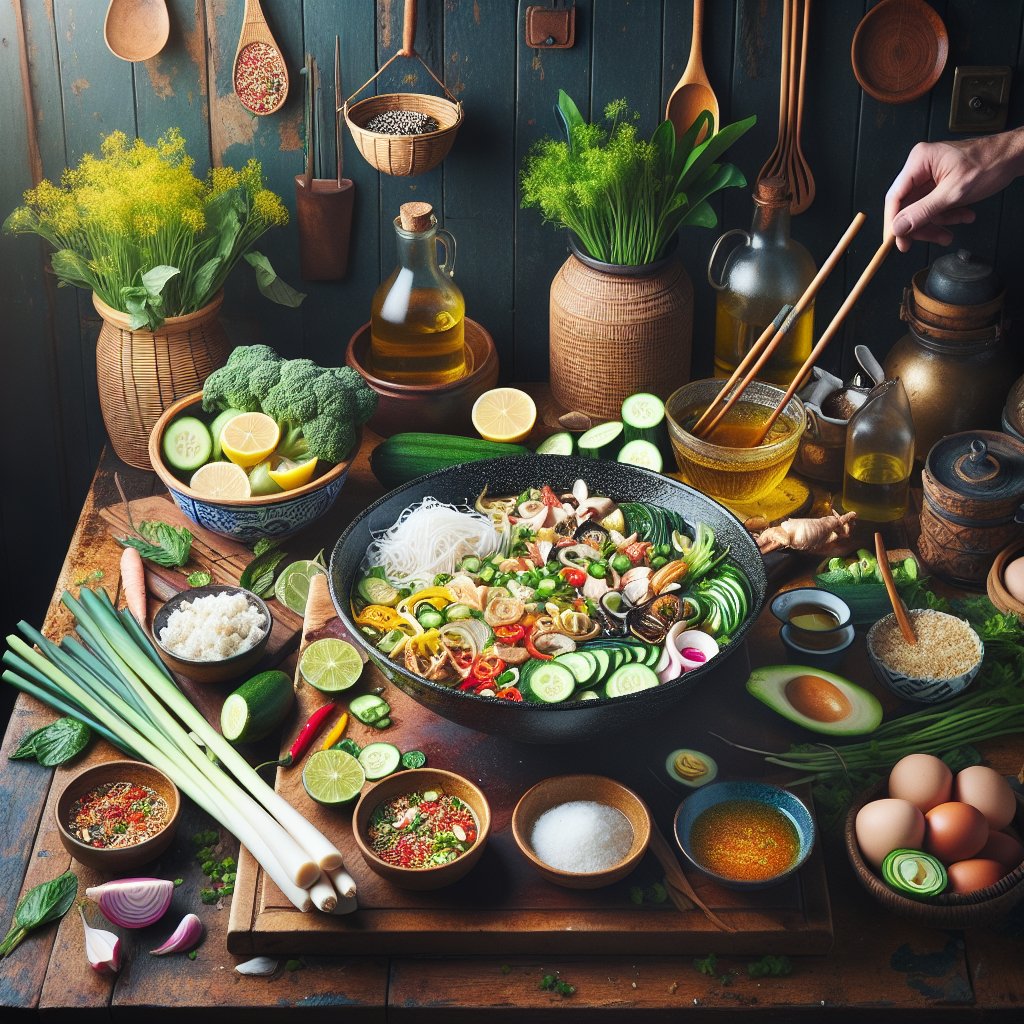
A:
[291,400]
[328,438]
[363,396]
[231,387]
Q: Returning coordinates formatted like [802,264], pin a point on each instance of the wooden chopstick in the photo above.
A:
[906,626]
[833,328]
[759,356]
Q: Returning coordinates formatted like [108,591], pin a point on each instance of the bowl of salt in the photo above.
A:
[581,831]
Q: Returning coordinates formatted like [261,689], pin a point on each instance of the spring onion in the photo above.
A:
[115,683]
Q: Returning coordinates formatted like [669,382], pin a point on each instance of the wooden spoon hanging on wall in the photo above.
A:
[693,93]
[801,179]
[136,29]
[259,75]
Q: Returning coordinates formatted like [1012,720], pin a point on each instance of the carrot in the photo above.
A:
[133,582]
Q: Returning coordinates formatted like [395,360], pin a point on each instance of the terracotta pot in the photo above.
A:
[139,374]
[616,330]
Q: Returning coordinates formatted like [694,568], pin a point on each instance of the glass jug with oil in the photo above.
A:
[417,317]
[768,270]
[879,455]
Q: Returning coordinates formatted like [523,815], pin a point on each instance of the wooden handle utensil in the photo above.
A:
[906,626]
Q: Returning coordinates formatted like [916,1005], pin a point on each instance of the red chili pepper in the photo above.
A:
[307,734]
[462,658]
[510,634]
[534,653]
[549,498]
[636,551]
[574,577]
[509,693]
[468,683]
[488,667]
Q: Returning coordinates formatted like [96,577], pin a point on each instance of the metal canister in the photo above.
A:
[973,503]
[829,403]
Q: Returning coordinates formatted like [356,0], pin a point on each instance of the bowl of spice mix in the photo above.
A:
[117,816]
[943,662]
[745,834]
[422,829]
[212,634]
[582,831]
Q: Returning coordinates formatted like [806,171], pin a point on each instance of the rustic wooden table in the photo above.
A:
[880,967]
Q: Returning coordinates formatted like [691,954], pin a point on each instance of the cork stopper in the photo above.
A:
[772,191]
[416,216]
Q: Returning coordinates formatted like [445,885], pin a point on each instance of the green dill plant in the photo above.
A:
[622,196]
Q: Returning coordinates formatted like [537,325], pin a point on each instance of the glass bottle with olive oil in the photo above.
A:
[417,317]
[879,455]
[769,270]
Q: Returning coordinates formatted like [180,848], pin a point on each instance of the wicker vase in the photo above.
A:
[140,373]
[618,330]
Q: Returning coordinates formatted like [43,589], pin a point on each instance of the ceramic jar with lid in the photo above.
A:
[953,361]
[973,503]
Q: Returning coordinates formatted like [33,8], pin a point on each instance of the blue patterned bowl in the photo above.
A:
[760,792]
[273,515]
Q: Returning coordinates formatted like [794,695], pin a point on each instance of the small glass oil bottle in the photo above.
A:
[417,317]
[879,455]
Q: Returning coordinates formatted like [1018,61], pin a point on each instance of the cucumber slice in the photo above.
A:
[414,759]
[369,708]
[257,707]
[602,441]
[583,666]
[653,655]
[643,418]
[588,695]
[630,678]
[187,444]
[217,426]
[557,444]
[379,759]
[603,657]
[914,873]
[548,683]
[643,454]
[349,746]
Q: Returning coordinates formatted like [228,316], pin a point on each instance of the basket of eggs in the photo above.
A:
[940,848]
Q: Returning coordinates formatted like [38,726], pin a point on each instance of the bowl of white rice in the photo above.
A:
[943,662]
[212,634]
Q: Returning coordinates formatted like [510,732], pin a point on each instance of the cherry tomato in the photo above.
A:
[510,634]
[509,693]
[574,577]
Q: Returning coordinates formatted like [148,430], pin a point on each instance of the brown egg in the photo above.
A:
[1013,578]
[987,790]
[819,699]
[924,780]
[971,875]
[1004,848]
[955,831]
[882,826]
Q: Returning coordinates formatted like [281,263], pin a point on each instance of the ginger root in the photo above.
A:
[812,535]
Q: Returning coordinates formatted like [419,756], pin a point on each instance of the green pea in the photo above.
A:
[621,563]
[658,561]
[598,570]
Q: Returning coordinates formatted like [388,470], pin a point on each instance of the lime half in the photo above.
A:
[332,777]
[330,665]
[292,586]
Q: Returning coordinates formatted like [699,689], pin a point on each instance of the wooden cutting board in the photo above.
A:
[503,905]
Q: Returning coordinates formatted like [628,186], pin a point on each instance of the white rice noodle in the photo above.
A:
[431,538]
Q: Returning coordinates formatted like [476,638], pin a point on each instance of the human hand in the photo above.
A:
[941,180]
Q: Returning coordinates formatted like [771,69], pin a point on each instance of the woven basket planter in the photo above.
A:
[140,373]
[618,330]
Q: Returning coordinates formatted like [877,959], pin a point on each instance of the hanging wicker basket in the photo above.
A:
[404,155]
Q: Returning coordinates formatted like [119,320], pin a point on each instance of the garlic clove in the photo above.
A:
[102,948]
[185,937]
[260,966]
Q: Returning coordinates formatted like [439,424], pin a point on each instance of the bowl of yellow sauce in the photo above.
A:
[725,464]
[745,834]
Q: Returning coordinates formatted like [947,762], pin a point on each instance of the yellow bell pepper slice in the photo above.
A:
[437,597]
[379,616]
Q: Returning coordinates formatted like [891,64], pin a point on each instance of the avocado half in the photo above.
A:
[818,700]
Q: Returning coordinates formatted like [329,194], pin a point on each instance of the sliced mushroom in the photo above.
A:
[637,590]
[554,643]
[511,655]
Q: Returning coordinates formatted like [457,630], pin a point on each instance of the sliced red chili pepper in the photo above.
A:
[574,577]
[488,666]
[534,653]
[462,658]
[509,693]
[549,498]
[469,683]
[510,634]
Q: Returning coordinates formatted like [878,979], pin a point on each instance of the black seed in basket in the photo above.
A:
[402,122]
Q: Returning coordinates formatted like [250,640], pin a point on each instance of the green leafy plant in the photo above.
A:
[54,744]
[46,902]
[622,196]
[139,229]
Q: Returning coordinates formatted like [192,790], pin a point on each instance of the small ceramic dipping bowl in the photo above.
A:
[421,780]
[921,688]
[211,671]
[828,657]
[815,617]
[116,861]
[562,789]
[742,793]
[734,474]
[437,408]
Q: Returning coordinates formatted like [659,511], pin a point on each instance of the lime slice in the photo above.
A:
[330,664]
[292,586]
[332,777]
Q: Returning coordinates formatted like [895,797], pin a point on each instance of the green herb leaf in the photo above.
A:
[61,741]
[161,543]
[27,747]
[770,967]
[90,579]
[199,578]
[258,575]
[708,965]
[46,902]
[269,284]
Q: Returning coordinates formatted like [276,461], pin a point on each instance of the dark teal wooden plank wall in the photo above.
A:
[77,92]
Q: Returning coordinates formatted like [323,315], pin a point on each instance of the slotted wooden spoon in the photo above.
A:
[693,93]
[775,165]
[801,179]
[255,30]
[136,29]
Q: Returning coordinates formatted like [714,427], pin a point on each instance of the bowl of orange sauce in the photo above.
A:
[745,834]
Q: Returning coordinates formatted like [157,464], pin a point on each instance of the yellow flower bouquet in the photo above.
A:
[149,238]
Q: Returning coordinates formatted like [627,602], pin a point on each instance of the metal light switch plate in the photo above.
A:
[981,98]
